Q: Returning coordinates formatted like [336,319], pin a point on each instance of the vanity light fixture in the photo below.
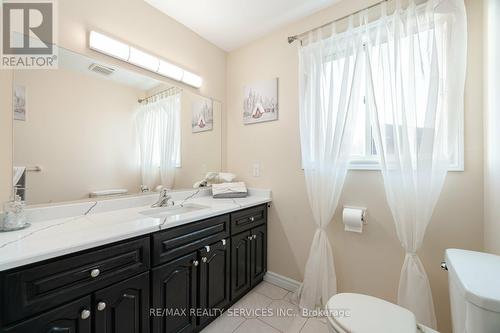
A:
[109,46]
[171,71]
[144,60]
[112,47]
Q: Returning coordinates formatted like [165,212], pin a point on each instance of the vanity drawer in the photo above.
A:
[175,242]
[43,286]
[248,218]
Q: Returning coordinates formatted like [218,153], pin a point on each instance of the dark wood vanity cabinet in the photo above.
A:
[120,308]
[215,276]
[258,254]
[64,319]
[123,307]
[240,264]
[249,260]
[172,281]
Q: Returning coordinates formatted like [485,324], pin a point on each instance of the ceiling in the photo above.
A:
[230,24]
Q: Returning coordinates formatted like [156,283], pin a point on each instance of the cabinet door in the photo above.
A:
[123,307]
[174,291]
[214,280]
[240,264]
[258,254]
[74,317]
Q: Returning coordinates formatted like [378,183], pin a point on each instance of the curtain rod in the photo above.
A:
[140,100]
[292,39]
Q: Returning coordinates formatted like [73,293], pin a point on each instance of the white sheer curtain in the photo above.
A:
[329,72]
[415,85]
[159,132]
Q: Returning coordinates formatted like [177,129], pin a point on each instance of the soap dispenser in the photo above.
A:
[14,217]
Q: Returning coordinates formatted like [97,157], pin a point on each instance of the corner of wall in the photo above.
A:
[491,107]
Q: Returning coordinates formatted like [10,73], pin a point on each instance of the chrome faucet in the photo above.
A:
[165,200]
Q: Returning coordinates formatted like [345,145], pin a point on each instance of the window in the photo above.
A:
[364,153]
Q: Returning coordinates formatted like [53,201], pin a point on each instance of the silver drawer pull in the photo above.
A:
[101,306]
[95,273]
[252,219]
[250,237]
[254,237]
[223,242]
[204,259]
[207,247]
[85,314]
[196,263]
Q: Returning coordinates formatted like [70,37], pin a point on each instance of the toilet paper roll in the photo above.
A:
[353,219]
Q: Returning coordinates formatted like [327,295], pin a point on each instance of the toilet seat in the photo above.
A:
[356,313]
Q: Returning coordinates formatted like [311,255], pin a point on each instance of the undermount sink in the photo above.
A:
[162,212]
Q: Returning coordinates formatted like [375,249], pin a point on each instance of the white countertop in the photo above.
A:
[62,229]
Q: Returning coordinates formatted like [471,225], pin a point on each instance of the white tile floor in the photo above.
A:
[281,305]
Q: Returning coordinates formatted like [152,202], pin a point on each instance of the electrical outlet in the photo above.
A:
[256,170]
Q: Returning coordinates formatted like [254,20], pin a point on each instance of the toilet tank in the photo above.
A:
[474,283]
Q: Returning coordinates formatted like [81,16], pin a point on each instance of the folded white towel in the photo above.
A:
[229,190]
[105,193]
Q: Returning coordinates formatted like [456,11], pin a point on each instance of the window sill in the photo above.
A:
[374,166]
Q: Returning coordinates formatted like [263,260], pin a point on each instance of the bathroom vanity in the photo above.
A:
[177,276]
[122,265]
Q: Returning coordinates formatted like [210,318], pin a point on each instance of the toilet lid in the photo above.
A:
[356,313]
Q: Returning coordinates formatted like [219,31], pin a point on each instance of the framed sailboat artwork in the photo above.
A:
[202,114]
[260,103]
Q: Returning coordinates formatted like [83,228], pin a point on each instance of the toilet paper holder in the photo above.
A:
[363,219]
[363,216]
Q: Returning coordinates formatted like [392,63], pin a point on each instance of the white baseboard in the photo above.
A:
[282,281]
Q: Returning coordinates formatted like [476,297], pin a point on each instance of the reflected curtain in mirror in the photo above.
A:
[159,134]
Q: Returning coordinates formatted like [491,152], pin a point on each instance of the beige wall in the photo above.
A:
[141,25]
[370,262]
[492,124]
[5,135]
[201,152]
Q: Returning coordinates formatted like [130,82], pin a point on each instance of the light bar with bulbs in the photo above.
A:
[111,47]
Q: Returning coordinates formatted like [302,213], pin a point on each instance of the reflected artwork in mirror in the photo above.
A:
[95,130]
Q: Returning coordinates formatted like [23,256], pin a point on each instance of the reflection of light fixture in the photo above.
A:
[122,51]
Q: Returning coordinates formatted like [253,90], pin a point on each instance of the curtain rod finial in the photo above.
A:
[291,39]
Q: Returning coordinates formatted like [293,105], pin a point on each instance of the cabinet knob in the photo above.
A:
[204,259]
[196,263]
[223,242]
[254,236]
[207,247]
[85,314]
[95,273]
[101,306]
[250,237]
[252,219]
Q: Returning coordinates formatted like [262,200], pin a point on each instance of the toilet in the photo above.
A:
[473,279]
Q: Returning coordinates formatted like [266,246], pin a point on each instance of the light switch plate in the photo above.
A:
[256,170]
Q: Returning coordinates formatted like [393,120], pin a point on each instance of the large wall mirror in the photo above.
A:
[89,128]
